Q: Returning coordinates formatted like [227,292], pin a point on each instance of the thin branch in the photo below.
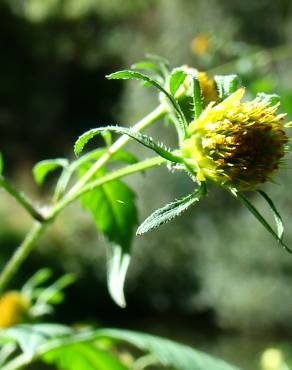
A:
[21,254]
[22,200]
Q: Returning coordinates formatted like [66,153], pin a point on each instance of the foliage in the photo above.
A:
[57,344]
[223,143]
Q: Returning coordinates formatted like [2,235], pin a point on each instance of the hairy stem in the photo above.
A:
[117,145]
[21,199]
[21,253]
[125,171]
[38,228]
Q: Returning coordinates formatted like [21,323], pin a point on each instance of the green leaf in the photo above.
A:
[35,280]
[30,337]
[271,99]
[169,212]
[82,356]
[262,220]
[63,348]
[6,351]
[43,168]
[177,77]
[141,138]
[53,293]
[276,214]
[112,206]
[226,85]
[169,353]
[197,97]
[128,74]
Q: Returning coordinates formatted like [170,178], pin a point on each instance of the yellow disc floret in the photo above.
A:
[13,309]
[236,144]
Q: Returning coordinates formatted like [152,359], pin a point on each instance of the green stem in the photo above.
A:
[21,199]
[30,240]
[21,253]
[117,145]
[125,171]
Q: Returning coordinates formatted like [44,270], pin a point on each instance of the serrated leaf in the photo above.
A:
[197,98]
[82,356]
[262,220]
[128,74]
[226,85]
[271,99]
[169,212]
[112,206]
[276,214]
[43,168]
[169,353]
[177,77]
[141,138]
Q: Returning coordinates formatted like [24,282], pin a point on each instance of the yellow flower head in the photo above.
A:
[13,309]
[236,144]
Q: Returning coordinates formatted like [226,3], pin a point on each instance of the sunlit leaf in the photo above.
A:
[169,212]
[141,138]
[128,74]
[177,77]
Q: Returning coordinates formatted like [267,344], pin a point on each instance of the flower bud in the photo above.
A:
[236,144]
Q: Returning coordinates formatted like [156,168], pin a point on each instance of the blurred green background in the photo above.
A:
[213,278]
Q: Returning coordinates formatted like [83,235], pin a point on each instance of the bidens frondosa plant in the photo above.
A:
[223,139]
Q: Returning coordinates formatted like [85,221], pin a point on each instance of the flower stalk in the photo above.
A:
[81,187]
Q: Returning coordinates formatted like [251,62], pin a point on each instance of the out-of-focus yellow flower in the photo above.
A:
[236,144]
[272,359]
[13,309]
[200,44]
